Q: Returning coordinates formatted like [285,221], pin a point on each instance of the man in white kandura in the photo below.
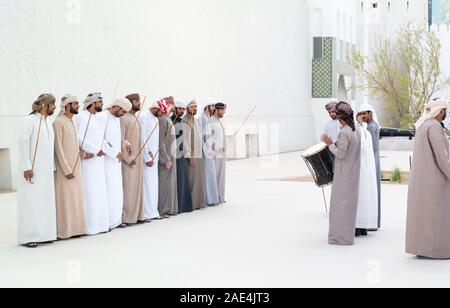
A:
[211,188]
[150,131]
[36,191]
[112,147]
[90,135]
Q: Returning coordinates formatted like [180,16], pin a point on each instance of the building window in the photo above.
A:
[389,6]
[430,12]
[318,47]
[375,5]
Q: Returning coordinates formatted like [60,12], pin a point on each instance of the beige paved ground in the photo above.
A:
[270,234]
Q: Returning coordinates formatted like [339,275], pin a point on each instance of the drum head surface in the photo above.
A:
[314,150]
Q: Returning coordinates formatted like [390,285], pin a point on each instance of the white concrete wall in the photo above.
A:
[338,18]
[5,170]
[245,52]
[389,15]
[443,32]
[334,19]
[330,19]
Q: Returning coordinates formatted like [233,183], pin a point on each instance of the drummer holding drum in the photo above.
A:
[344,195]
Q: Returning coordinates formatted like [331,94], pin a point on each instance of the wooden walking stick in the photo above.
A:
[138,114]
[325,200]
[242,125]
[82,143]
[107,123]
[143,105]
[245,121]
[172,125]
[36,148]
[146,141]
[106,129]
[134,127]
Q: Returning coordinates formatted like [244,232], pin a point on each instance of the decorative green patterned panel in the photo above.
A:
[322,71]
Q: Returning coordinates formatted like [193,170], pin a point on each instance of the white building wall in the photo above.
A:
[334,14]
[338,20]
[245,52]
[387,16]
[443,32]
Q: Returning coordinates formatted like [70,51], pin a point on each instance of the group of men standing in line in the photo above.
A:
[92,171]
[428,212]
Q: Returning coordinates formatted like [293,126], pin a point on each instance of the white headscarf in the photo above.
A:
[180,104]
[91,99]
[66,100]
[123,103]
[369,108]
[155,105]
[207,102]
[432,110]
[192,103]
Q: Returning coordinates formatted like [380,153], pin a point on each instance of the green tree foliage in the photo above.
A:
[404,72]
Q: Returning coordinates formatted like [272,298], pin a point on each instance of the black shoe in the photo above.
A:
[434,259]
[361,232]
[31,245]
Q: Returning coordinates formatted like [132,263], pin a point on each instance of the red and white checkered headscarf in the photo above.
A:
[163,105]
